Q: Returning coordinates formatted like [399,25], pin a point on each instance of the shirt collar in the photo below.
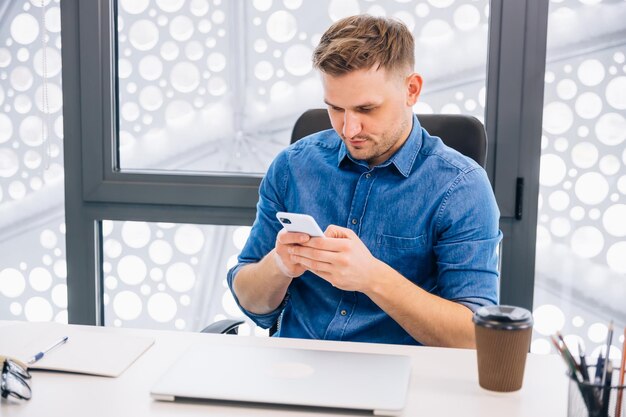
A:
[403,159]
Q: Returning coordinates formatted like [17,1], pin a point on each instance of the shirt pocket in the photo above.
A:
[398,242]
[410,256]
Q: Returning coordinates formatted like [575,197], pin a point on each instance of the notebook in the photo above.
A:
[88,350]
[287,376]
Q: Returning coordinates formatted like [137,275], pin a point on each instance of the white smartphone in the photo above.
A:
[301,223]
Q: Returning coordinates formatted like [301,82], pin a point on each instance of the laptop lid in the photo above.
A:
[287,376]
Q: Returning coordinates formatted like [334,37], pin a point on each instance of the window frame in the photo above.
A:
[96,189]
[103,180]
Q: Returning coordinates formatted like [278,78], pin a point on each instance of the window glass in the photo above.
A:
[580,278]
[216,86]
[170,276]
[32,229]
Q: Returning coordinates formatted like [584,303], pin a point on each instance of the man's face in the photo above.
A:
[371,110]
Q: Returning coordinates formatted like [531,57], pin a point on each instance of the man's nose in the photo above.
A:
[351,124]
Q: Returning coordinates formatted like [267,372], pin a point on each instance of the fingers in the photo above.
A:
[338,239]
[328,257]
[316,266]
[298,253]
[283,261]
[335,231]
[290,238]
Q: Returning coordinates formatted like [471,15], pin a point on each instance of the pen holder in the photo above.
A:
[587,399]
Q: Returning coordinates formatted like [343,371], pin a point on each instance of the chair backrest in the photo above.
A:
[466,134]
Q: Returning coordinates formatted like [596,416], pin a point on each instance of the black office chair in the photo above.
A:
[465,134]
[226,326]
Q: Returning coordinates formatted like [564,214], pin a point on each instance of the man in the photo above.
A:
[411,225]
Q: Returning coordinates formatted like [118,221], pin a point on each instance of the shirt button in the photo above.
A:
[343,312]
[368,175]
[354,221]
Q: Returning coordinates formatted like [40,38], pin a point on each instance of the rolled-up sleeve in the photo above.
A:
[263,233]
[468,239]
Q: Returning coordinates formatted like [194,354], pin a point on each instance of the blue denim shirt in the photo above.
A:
[428,211]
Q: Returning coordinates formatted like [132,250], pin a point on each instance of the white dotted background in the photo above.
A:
[159,275]
[33,275]
[580,280]
[203,88]
[33,270]
[31,133]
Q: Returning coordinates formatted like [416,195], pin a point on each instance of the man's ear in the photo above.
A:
[414,88]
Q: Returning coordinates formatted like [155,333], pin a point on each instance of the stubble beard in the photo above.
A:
[384,146]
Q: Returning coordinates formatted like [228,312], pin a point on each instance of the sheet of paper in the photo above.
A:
[89,350]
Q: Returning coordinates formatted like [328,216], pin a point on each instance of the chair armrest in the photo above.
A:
[223,327]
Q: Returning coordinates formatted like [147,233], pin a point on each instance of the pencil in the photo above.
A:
[620,388]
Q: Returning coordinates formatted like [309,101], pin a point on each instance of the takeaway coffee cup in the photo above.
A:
[502,341]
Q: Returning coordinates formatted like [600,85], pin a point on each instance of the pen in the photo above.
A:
[606,388]
[597,388]
[590,400]
[583,363]
[609,339]
[41,354]
[568,359]
[599,369]
[568,355]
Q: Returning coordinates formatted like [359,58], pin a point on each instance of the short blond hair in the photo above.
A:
[362,42]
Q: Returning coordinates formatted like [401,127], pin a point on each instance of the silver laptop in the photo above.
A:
[287,376]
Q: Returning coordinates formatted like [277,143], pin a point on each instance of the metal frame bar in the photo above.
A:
[514,110]
[102,179]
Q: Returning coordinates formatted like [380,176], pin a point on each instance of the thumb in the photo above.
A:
[335,231]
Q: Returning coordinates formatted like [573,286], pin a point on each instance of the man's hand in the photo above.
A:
[261,286]
[284,242]
[341,259]
[345,262]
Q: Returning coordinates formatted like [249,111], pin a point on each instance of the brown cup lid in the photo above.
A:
[503,317]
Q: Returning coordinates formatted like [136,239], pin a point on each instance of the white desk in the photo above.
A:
[444,382]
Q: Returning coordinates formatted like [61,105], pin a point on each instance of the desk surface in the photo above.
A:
[444,382]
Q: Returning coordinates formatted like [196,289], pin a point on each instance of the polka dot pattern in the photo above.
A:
[160,274]
[581,231]
[33,279]
[29,46]
[184,72]
[173,66]
[583,130]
